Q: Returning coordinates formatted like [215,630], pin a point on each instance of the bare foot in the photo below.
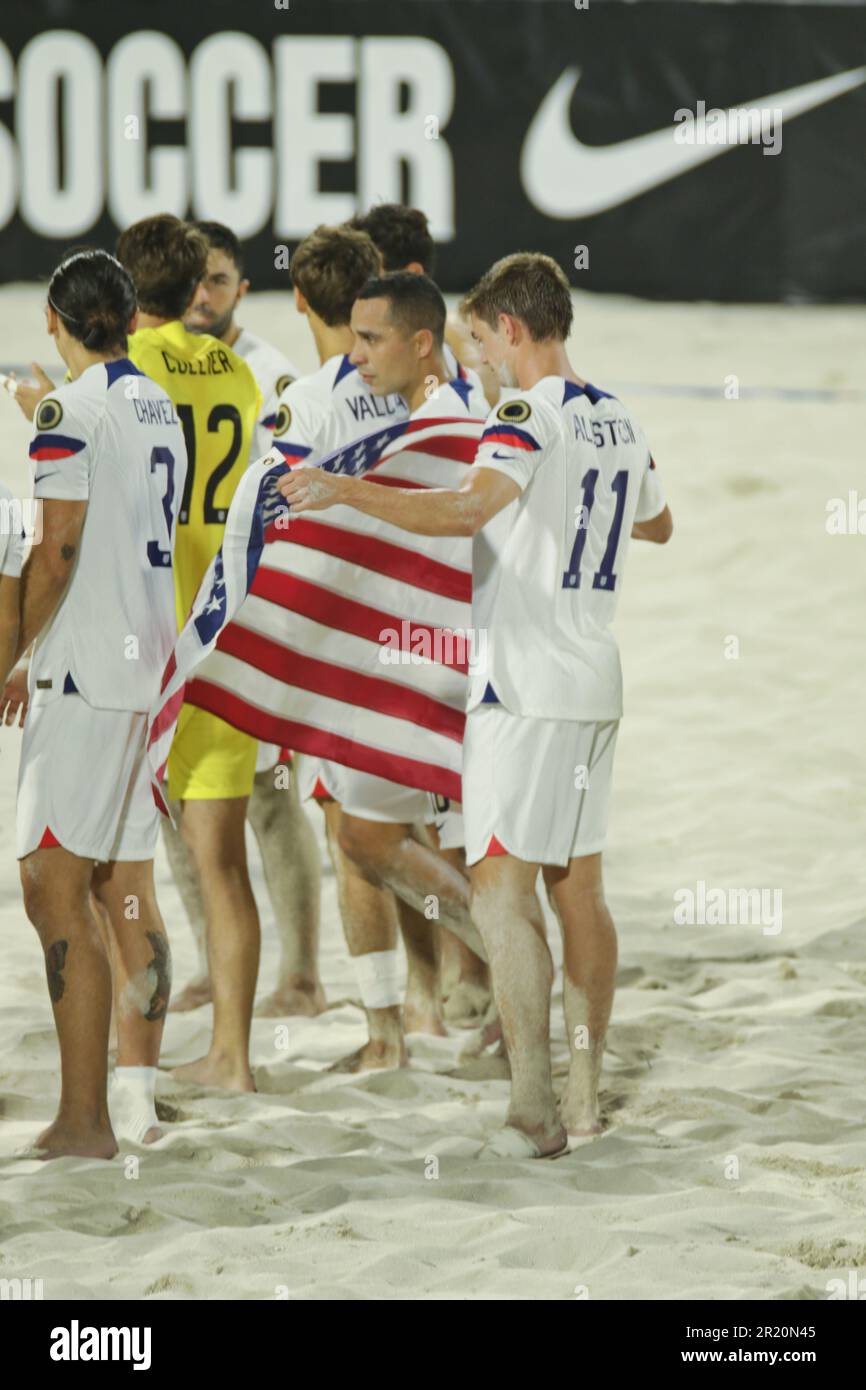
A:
[62,1139]
[489,1033]
[421,1015]
[196,993]
[292,1000]
[466,1005]
[375,1055]
[516,1142]
[553,1143]
[582,1125]
[216,1070]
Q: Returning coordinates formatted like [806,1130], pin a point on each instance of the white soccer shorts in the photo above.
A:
[363,795]
[538,789]
[449,823]
[84,782]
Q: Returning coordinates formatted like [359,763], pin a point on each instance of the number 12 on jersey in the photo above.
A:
[604,577]
[220,415]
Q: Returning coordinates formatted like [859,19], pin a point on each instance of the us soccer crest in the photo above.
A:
[514,412]
[49,415]
[283,420]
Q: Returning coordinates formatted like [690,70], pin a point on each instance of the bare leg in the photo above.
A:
[56,888]
[214,832]
[588,980]
[369,915]
[104,924]
[422,1012]
[141,963]
[395,857]
[465,980]
[183,871]
[293,873]
[507,910]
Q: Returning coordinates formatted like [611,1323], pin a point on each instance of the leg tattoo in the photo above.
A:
[55,960]
[160,966]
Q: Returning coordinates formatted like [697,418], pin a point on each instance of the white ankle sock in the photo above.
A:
[131,1102]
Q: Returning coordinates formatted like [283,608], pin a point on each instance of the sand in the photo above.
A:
[732,1165]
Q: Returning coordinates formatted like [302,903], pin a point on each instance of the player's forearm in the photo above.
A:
[10,601]
[658,529]
[8,645]
[43,586]
[431,512]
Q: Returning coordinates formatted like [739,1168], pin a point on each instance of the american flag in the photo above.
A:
[333,633]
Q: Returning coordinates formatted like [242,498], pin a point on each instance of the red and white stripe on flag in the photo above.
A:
[352,644]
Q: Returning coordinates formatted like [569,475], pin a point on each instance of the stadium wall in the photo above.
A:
[515,124]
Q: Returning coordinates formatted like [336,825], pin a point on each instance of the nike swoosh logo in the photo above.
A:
[50,474]
[565,178]
[496,455]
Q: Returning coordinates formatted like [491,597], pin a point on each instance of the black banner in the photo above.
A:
[670,150]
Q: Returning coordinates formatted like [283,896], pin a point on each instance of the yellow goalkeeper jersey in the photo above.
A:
[218,403]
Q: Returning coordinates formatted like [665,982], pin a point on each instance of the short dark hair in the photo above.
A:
[222,238]
[414,301]
[95,299]
[401,234]
[330,267]
[529,286]
[166,259]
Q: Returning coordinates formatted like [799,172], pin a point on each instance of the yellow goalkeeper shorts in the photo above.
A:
[209,758]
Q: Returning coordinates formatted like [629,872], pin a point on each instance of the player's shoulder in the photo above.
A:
[68,422]
[459,396]
[314,391]
[337,373]
[218,356]
[145,345]
[78,404]
[152,349]
[606,406]
[125,381]
[305,404]
[598,399]
[527,415]
[133,394]
[540,407]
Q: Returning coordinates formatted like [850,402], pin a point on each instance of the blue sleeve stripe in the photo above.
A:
[509,434]
[55,446]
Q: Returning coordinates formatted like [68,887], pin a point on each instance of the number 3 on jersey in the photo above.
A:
[160,456]
[220,415]
[604,577]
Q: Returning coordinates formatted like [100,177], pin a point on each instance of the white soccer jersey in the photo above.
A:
[273,372]
[11,536]
[329,408]
[111,438]
[548,570]
[458,397]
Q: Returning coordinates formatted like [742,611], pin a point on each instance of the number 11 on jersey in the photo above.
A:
[604,577]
